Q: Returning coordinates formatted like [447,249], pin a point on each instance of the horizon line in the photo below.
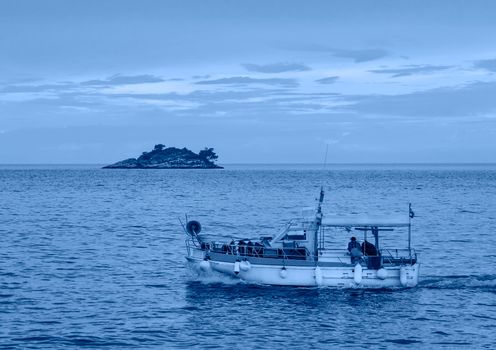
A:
[297,163]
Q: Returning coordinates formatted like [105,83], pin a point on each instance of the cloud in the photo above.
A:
[470,100]
[60,87]
[362,55]
[411,70]
[276,67]
[206,76]
[248,80]
[37,88]
[239,104]
[357,55]
[124,80]
[242,102]
[489,65]
[327,80]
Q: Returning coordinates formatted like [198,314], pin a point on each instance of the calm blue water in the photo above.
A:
[95,258]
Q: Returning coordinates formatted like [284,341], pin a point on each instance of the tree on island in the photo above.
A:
[208,154]
[159,147]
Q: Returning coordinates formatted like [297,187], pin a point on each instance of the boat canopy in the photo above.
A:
[364,222]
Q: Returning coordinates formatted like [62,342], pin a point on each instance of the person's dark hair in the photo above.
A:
[353,238]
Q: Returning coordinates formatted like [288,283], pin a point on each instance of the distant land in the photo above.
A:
[170,158]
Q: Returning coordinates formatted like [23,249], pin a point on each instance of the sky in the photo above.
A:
[266,81]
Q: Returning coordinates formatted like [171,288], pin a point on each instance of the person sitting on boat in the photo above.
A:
[353,243]
[374,258]
[354,249]
[369,249]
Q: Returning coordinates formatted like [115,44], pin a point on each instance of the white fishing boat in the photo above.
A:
[298,255]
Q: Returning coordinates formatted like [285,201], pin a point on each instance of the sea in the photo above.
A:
[93,258]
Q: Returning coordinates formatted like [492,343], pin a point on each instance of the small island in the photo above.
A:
[170,158]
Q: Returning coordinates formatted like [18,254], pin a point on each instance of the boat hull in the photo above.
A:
[310,274]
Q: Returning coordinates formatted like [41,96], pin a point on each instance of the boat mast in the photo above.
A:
[318,223]
[318,215]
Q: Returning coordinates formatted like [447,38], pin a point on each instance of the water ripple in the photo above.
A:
[93,258]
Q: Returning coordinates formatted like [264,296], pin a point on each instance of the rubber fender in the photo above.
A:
[245,265]
[357,274]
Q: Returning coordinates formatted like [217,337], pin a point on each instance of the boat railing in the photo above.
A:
[395,256]
[191,244]
[303,256]
[253,250]
[386,256]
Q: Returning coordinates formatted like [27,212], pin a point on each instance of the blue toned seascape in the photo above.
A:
[95,258]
